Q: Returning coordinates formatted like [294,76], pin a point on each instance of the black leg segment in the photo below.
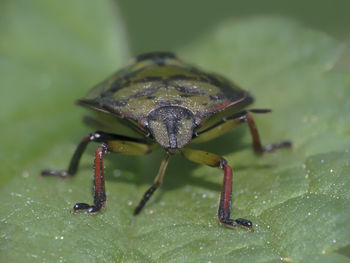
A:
[157,182]
[111,143]
[97,136]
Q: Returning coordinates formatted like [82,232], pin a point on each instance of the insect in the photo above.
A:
[161,101]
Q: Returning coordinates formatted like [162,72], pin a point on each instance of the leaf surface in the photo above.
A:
[297,199]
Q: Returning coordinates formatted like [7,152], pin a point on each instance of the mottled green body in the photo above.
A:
[186,95]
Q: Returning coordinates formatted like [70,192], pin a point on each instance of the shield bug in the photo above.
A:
[161,101]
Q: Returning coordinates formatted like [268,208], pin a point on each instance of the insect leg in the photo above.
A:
[99,184]
[118,146]
[231,122]
[224,211]
[157,182]
[258,148]
[97,136]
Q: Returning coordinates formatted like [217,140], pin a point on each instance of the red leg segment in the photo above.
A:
[255,135]
[214,160]
[242,117]
[258,148]
[225,201]
[99,179]
[110,142]
[99,185]
[226,191]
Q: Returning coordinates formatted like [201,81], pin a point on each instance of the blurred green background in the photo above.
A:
[168,25]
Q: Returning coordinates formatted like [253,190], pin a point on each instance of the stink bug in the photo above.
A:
[160,100]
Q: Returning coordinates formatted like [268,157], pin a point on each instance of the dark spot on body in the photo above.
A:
[124,80]
[212,79]
[190,90]
[143,93]
[115,85]
[106,93]
[150,78]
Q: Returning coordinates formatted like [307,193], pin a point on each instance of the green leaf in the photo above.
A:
[297,199]
[50,52]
